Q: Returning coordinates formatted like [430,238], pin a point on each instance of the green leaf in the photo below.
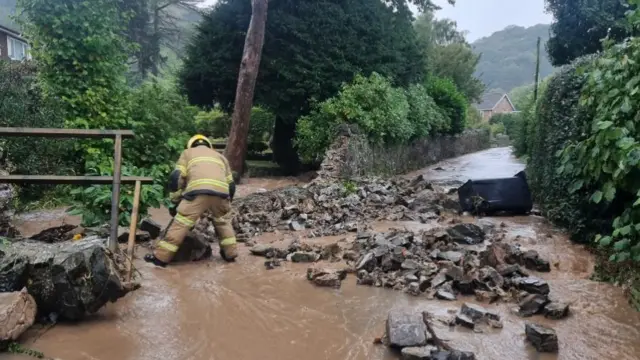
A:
[604,125]
[605,241]
[626,230]
[637,202]
[623,256]
[621,245]
[596,197]
[609,191]
[577,185]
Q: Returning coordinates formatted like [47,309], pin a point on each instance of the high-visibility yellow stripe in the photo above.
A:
[167,246]
[221,184]
[175,194]
[184,221]
[205,159]
[228,241]
[219,221]
[182,169]
[229,179]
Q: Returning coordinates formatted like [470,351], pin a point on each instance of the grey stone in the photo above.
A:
[367,262]
[532,304]
[491,276]
[466,234]
[152,227]
[556,310]
[410,265]
[439,279]
[418,353]
[453,256]
[326,277]
[475,312]
[406,329]
[532,285]
[445,295]
[260,249]
[303,257]
[410,278]
[453,355]
[466,285]
[413,289]
[532,261]
[455,273]
[466,321]
[296,226]
[544,339]
[508,270]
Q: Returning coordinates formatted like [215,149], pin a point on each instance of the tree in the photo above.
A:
[448,55]
[311,47]
[579,25]
[237,144]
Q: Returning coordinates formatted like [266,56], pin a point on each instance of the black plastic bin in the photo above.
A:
[510,195]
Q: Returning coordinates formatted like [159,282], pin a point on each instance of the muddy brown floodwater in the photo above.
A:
[213,310]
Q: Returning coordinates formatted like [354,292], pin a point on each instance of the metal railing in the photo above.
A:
[115,180]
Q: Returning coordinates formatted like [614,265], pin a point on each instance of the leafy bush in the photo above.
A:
[424,115]
[216,123]
[22,105]
[451,101]
[497,129]
[379,109]
[163,122]
[94,202]
[606,161]
[510,122]
[558,119]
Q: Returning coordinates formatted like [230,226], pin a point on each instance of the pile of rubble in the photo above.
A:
[333,209]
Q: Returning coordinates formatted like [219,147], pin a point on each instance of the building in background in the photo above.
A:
[13,46]
[495,103]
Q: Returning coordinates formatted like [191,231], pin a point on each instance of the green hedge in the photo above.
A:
[558,119]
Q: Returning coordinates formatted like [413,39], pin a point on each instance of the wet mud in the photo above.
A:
[214,310]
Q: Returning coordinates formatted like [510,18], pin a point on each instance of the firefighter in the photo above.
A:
[201,181]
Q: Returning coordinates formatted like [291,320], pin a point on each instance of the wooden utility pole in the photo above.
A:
[236,148]
[535,86]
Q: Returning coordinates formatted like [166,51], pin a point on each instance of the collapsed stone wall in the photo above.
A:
[351,155]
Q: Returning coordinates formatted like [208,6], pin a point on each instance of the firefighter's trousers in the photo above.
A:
[188,213]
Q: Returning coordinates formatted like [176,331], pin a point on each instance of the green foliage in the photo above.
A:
[579,25]
[448,55]
[379,109]
[558,119]
[451,102]
[424,115]
[511,122]
[509,57]
[16,348]
[311,47]
[94,202]
[349,187]
[607,160]
[497,128]
[217,124]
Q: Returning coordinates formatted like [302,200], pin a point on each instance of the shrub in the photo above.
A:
[22,105]
[451,101]
[558,119]
[379,109]
[424,115]
[216,124]
[497,129]
[510,121]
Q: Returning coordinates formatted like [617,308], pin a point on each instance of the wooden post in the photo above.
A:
[133,229]
[115,199]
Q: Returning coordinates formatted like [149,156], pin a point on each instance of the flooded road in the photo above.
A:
[213,310]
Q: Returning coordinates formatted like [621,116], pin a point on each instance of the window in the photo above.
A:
[17,49]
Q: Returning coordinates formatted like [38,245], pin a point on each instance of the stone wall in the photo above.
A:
[351,155]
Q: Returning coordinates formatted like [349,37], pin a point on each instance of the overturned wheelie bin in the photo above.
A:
[490,196]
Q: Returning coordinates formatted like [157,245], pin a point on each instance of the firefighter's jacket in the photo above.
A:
[201,171]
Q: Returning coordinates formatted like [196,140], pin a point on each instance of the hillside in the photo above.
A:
[7,8]
[509,57]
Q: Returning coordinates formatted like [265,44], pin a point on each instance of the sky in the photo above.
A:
[484,17]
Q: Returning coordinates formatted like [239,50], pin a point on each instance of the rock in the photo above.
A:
[55,234]
[466,285]
[466,321]
[141,236]
[194,248]
[418,353]
[271,264]
[71,278]
[475,312]
[439,279]
[491,277]
[532,304]
[445,295]
[542,338]
[453,256]
[532,285]
[326,277]
[260,249]
[532,261]
[455,273]
[296,226]
[494,256]
[303,257]
[466,234]
[453,355]
[410,265]
[152,227]
[17,313]
[406,329]
[556,310]
[511,270]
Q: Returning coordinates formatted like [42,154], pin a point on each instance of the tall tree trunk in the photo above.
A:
[155,40]
[537,80]
[237,144]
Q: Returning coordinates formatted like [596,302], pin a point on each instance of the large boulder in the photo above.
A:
[406,329]
[17,313]
[68,279]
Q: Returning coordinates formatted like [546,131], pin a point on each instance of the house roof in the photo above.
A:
[7,24]
[491,99]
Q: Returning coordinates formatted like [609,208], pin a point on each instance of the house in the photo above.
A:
[12,45]
[495,103]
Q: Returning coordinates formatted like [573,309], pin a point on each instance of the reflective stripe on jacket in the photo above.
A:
[203,171]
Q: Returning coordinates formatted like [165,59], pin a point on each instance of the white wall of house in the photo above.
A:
[17,49]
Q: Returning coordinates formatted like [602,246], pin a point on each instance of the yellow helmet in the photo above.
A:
[198,140]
